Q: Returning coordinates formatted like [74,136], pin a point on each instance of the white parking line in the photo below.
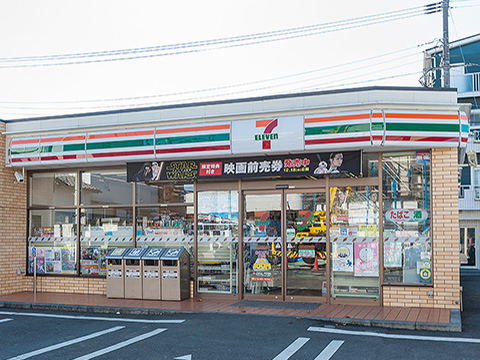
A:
[120,345]
[95,318]
[331,349]
[393,336]
[291,349]
[5,320]
[66,343]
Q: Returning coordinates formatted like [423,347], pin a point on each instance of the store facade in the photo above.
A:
[338,197]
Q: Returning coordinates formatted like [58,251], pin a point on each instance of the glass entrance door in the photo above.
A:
[306,245]
[284,242]
[262,244]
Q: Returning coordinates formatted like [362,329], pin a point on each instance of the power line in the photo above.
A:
[334,82]
[228,39]
[337,86]
[11,106]
[244,40]
[4,103]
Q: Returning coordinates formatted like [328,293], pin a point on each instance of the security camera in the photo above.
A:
[19,177]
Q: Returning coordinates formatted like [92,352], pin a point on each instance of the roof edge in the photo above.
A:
[454,44]
[232,101]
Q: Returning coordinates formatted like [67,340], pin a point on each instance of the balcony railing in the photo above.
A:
[466,83]
[469,198]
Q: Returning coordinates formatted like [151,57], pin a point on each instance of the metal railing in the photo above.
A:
[466,83]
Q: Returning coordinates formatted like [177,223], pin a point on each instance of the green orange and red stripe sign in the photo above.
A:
[387,128]
[320,132]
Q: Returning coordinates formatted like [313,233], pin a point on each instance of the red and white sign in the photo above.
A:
[406,215]
[210,169]
[275,134]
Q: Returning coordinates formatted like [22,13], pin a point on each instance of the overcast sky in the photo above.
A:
[333,58]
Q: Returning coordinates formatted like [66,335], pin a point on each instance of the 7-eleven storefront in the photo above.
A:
[340,197]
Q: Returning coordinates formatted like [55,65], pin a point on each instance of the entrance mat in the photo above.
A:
[277,305]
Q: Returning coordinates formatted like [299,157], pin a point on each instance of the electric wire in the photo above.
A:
[352,25]
[240,85]
[247,40]
[220,40]
[233,85]
[224,96]
[349,84]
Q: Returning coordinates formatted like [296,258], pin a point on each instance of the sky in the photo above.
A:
[388,53]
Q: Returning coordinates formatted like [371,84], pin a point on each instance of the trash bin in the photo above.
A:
[133,273]
[115,273]
[175,274]
[152,270]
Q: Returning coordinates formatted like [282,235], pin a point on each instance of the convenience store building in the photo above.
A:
[347,196]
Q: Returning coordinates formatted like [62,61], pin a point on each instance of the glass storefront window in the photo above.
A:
[407,217]
[53,234]
[100,230]
[166,227]
[354,239]
[53,189]
[370,164]
[164,193]
[164,222]
[306,244]
[105,187]
[217,241]
[262,242]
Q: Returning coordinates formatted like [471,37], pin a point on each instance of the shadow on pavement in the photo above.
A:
[470,281]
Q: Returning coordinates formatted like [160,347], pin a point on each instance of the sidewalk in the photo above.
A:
[387,317]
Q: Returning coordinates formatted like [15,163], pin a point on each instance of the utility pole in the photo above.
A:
[446,46]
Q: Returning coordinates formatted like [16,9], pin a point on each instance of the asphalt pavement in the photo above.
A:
[48,334]
[470,281]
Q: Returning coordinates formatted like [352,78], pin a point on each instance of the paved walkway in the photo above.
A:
[389,317]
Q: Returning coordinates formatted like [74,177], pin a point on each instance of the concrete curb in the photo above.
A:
[455,324]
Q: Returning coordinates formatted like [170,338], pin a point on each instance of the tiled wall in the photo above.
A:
[13,226]
[72,285]
[445,232]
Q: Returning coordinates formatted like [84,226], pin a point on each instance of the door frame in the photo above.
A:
[322,190]
[285,186]
[284,191]
[270,191]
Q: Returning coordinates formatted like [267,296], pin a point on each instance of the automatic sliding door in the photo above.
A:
[262,237]
[306,245]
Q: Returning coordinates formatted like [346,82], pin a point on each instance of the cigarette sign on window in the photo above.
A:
[406,215]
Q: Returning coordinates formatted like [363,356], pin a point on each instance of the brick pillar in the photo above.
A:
[445,228]
[13,220]
[445,241]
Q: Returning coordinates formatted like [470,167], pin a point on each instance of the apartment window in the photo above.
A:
[476,183]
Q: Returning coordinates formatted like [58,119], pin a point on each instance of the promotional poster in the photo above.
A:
[366,259]
[342,257]
[316,164]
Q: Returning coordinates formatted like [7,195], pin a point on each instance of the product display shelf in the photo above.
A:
[217,268]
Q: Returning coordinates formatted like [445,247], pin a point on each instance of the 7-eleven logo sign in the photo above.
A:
[268,135]
[264,220]
[306,217]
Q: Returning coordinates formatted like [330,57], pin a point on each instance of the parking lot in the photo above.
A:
[58,335]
